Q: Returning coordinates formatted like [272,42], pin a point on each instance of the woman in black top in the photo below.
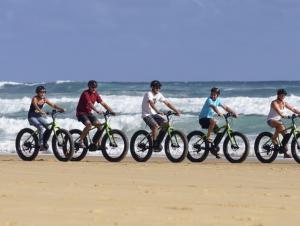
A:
[36,115]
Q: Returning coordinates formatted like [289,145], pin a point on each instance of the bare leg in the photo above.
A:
[154,133]
[279,128]
[88,126]
[212,124]
[99,127]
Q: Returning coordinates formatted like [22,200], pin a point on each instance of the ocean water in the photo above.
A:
[250,99]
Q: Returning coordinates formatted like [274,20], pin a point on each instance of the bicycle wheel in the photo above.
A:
[79,153]
[198,147]
[238,150]
[295,148]
[62,145]
[176,146]
[264,148]
[141,146]
[114,150]
[27,144]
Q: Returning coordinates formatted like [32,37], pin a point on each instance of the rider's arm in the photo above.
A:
[94,108]
[172,107]
[107,107]
[54,106]
[275,106]
[292,108]
[229,110]
[216,109]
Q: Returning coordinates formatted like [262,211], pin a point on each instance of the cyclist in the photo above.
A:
[209,109]
[151,115]
[36,114]
[84,109]
[276,113]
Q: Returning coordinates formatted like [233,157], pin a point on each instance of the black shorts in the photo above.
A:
[204,122]
[88,117]
[154,120]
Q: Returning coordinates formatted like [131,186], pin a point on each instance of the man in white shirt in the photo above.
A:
[150,114]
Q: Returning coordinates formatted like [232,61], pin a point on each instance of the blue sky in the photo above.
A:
[138,40]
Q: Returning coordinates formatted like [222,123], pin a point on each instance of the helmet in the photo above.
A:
[215,90]
[281,91]
[155,83]
[40,88]
[92,84]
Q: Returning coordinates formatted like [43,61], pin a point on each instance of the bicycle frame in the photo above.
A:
[226,130]
[293,132]
[53,126]
[168,129]
[105,128]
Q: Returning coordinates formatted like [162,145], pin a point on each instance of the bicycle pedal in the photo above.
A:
[218,156]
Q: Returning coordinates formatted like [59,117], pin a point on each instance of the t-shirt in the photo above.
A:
[146,108]
[207,111]
[85,100]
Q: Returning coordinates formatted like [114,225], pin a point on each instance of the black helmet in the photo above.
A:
[215,90]
[155,83]
[281,91]
[92,84]
[40,88]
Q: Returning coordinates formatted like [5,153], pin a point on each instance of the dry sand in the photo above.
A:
[95,192]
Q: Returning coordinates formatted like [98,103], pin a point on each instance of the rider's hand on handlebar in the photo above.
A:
[177,113]
[62,110]
[286,116]
[161,113]
[220,114]
[234,114]
[113,113]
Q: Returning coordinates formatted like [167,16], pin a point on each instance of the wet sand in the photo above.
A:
[95,192]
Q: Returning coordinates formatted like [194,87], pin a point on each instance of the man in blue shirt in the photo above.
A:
[209,109]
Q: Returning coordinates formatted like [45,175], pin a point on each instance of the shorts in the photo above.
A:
[204,122]
[88,117]
[269,122]
[154,120]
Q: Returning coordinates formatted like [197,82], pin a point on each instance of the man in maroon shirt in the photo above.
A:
[86,105]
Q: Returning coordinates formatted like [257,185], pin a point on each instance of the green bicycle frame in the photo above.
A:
[293,131]
[106,127]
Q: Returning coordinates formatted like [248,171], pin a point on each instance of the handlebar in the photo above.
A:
[107,114]
[169,113]
[293,116]
[228,115]
[53,113]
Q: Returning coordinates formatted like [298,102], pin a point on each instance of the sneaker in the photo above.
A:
[45,146]
[157,148]
[286,155]
[44,149]
[214,150]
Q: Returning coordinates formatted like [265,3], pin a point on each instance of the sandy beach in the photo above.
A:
[96,192]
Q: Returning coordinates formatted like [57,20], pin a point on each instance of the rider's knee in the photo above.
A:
[212,122]
[88,124]
[281,128]
[155,128]
[97,124]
